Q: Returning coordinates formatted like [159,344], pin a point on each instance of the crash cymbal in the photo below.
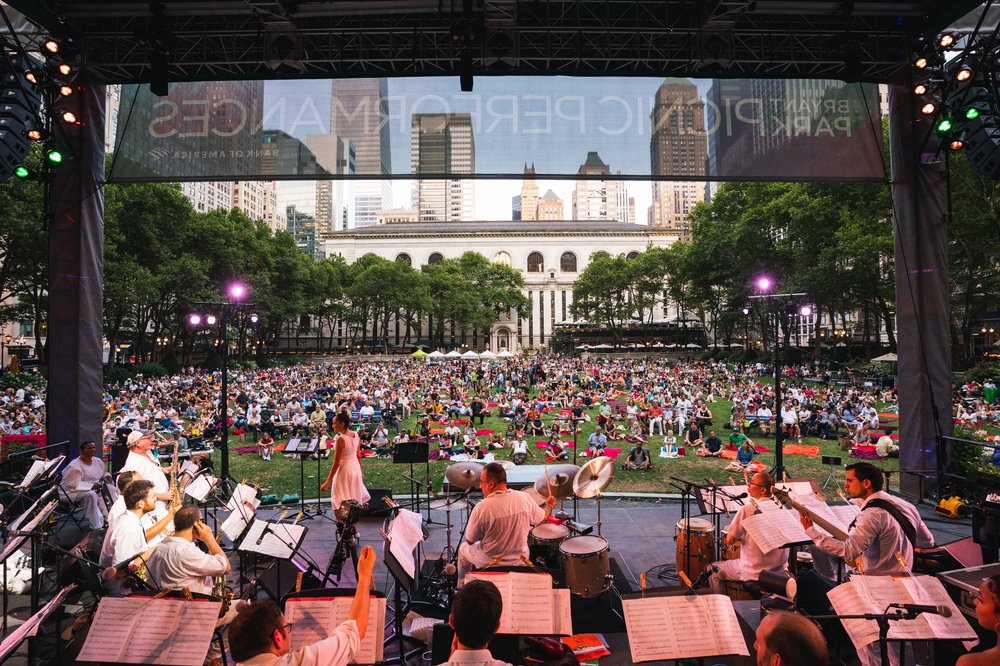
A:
[594,477]
[448,504]
[506,464]
[464,475]
[533,494]
[559,479]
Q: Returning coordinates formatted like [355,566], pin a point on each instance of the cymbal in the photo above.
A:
[594,477]
[506,464]
[559,478]
[533,494]
[448,504]
[464,475]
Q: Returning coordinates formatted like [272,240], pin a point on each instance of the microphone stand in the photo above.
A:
[686,495]
[883,619]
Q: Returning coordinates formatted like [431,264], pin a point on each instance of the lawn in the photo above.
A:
[281,475]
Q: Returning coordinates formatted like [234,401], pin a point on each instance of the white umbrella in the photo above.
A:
[672,345]
[505,354]
[658,345]
[692,345]
[453,354]
[602,346]
[886,358]
[487,354]
[583,346]
[470,354]
[435,354]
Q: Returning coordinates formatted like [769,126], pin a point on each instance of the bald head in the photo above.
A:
[785,639]
[761,485]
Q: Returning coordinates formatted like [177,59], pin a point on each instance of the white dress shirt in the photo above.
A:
[177,563]
[474,658]
[337,649]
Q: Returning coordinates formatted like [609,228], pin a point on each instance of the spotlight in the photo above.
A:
[51,45]
[946,40]
[35,134]
[22,172]
[964,73]
[745,311]
[65,91]
[31,77]
[69,117]
[54,155]
[806,310]
[764,284]
[65,68]
[237,291]
[956,143]
[928,108]
[920,89]
[944,126]
[211,320]
[921,62]
[971,113]
[254,318]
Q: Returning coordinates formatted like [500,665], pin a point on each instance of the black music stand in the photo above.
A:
[401,579]
[410,453]
[834,462]
[303,447]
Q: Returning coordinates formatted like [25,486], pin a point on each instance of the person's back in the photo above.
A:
[475,618]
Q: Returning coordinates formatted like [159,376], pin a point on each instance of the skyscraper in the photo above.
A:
[550,207]
[443,143]
[599,199]
[677,147]
[529,194]
[334,198]
[359,113]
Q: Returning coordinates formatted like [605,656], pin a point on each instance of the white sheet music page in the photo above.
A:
[775,528]
[563,618]
[529,602]
[723,503]
[278,540]
[313,619]
[37,467]
[405,532]
[201,487]
[236,522]
[244,497]
[115,634]
[683,627]
[823,510]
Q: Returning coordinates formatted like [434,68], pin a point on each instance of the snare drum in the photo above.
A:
[543,544]
[729,552]
[702,541]
[585,561]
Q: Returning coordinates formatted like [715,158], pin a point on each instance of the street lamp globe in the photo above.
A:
[764,284]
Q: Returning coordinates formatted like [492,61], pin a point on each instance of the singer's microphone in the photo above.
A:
[942,610]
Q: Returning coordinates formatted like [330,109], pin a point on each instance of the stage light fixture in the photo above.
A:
[51,45]
[211,320]
[921,62]
[237,291]
[69,117]
[944,126]
[806,311]
[964,73]
[920,89]
[194,319]
[35,134]
[971,113]
[254,318]
[928,108]
[957,143]
[54,155]
[946,40]
[745,311]
[22,172]
[764,284]
[65,69]
[65,91]
[31,77]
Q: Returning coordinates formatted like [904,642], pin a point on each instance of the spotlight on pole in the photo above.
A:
[194,319]
[764,284]
[254,318]
[237,291]
[211,320]
[745,311]
[806,310]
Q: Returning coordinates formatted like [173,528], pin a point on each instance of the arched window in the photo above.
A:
[502,258]
[404,258]
[567,263]
[536,263]
[632,255]
[435,258]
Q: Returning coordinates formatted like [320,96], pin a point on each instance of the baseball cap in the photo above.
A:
[135,436]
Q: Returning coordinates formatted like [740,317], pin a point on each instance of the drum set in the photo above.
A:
[560,544]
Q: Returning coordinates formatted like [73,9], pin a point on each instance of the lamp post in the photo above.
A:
[6,344]
[236,292]
[764,285]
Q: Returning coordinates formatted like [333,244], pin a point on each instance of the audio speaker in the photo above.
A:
[281,578]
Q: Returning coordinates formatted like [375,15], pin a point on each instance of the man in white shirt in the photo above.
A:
[475,617]
[259,636]
[127,541]
[519,451]
[178,562]
[140,459]
[81,481]
[497,532]
[752,559]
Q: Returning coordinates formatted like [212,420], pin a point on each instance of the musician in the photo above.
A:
[259,636]
[498,528]
[475,617]
[886,525]
[752,559]
[988,614]
[81,482]
[789,639]
[127,541]
[140,459]
[118,507]
[178,562]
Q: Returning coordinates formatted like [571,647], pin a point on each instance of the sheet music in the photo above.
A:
[243,509]
[405,532]
[797,488]
[244,497]
[683,627]
[18,538]
[30,627]
[775,528]
[823,510]
[38,468]
[530,605]
[874,593]
[281,540]
[313,619]
[723,503]
[17,522]
[201,487]
[173,631]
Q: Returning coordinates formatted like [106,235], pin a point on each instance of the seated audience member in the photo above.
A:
[259,634]
[988,615]
[475,617]
[789,639]
[519,452]
[746,453]
[885,447]
[638,458]
[712,446]
[557,452]
[669,448]
[597,442]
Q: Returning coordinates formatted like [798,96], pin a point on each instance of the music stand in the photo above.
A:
[303,447]
[409,453]
[834,462]
[401,579]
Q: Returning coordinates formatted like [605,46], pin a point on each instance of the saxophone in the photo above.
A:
[174,475]
[221,591]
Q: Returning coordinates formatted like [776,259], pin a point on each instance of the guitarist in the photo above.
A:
[752,559]
[884,526]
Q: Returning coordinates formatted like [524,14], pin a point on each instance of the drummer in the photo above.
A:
[752,559]
[497,533]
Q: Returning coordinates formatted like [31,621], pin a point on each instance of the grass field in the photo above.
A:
[281,475]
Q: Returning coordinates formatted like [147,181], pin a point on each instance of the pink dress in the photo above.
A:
[348,482]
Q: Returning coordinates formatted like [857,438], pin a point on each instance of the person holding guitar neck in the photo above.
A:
[885,525]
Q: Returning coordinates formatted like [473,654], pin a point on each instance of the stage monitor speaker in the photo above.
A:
[280,578]
[986,525]
[377,505]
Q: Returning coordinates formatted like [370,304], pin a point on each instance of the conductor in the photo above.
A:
[498,528]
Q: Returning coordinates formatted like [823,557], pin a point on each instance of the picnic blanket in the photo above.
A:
[483,432]
[801,450]
[244,450]
[865,453]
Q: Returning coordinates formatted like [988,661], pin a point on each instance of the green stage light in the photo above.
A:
[944,125]
[54,156]
[22,172]
[971,113]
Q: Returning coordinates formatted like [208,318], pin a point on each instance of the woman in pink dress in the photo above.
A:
[347,480]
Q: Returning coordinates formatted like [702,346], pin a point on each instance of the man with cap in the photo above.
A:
[140,459]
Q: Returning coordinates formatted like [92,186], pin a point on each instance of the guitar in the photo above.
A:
[784,497]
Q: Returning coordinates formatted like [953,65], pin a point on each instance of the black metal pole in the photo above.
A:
[779,463]
[224,445]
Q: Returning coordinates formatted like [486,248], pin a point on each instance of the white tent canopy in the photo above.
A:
[886,358]
[692,345]
[487,354]
[435,354]
[470,354]
[453,354]
[505,354]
